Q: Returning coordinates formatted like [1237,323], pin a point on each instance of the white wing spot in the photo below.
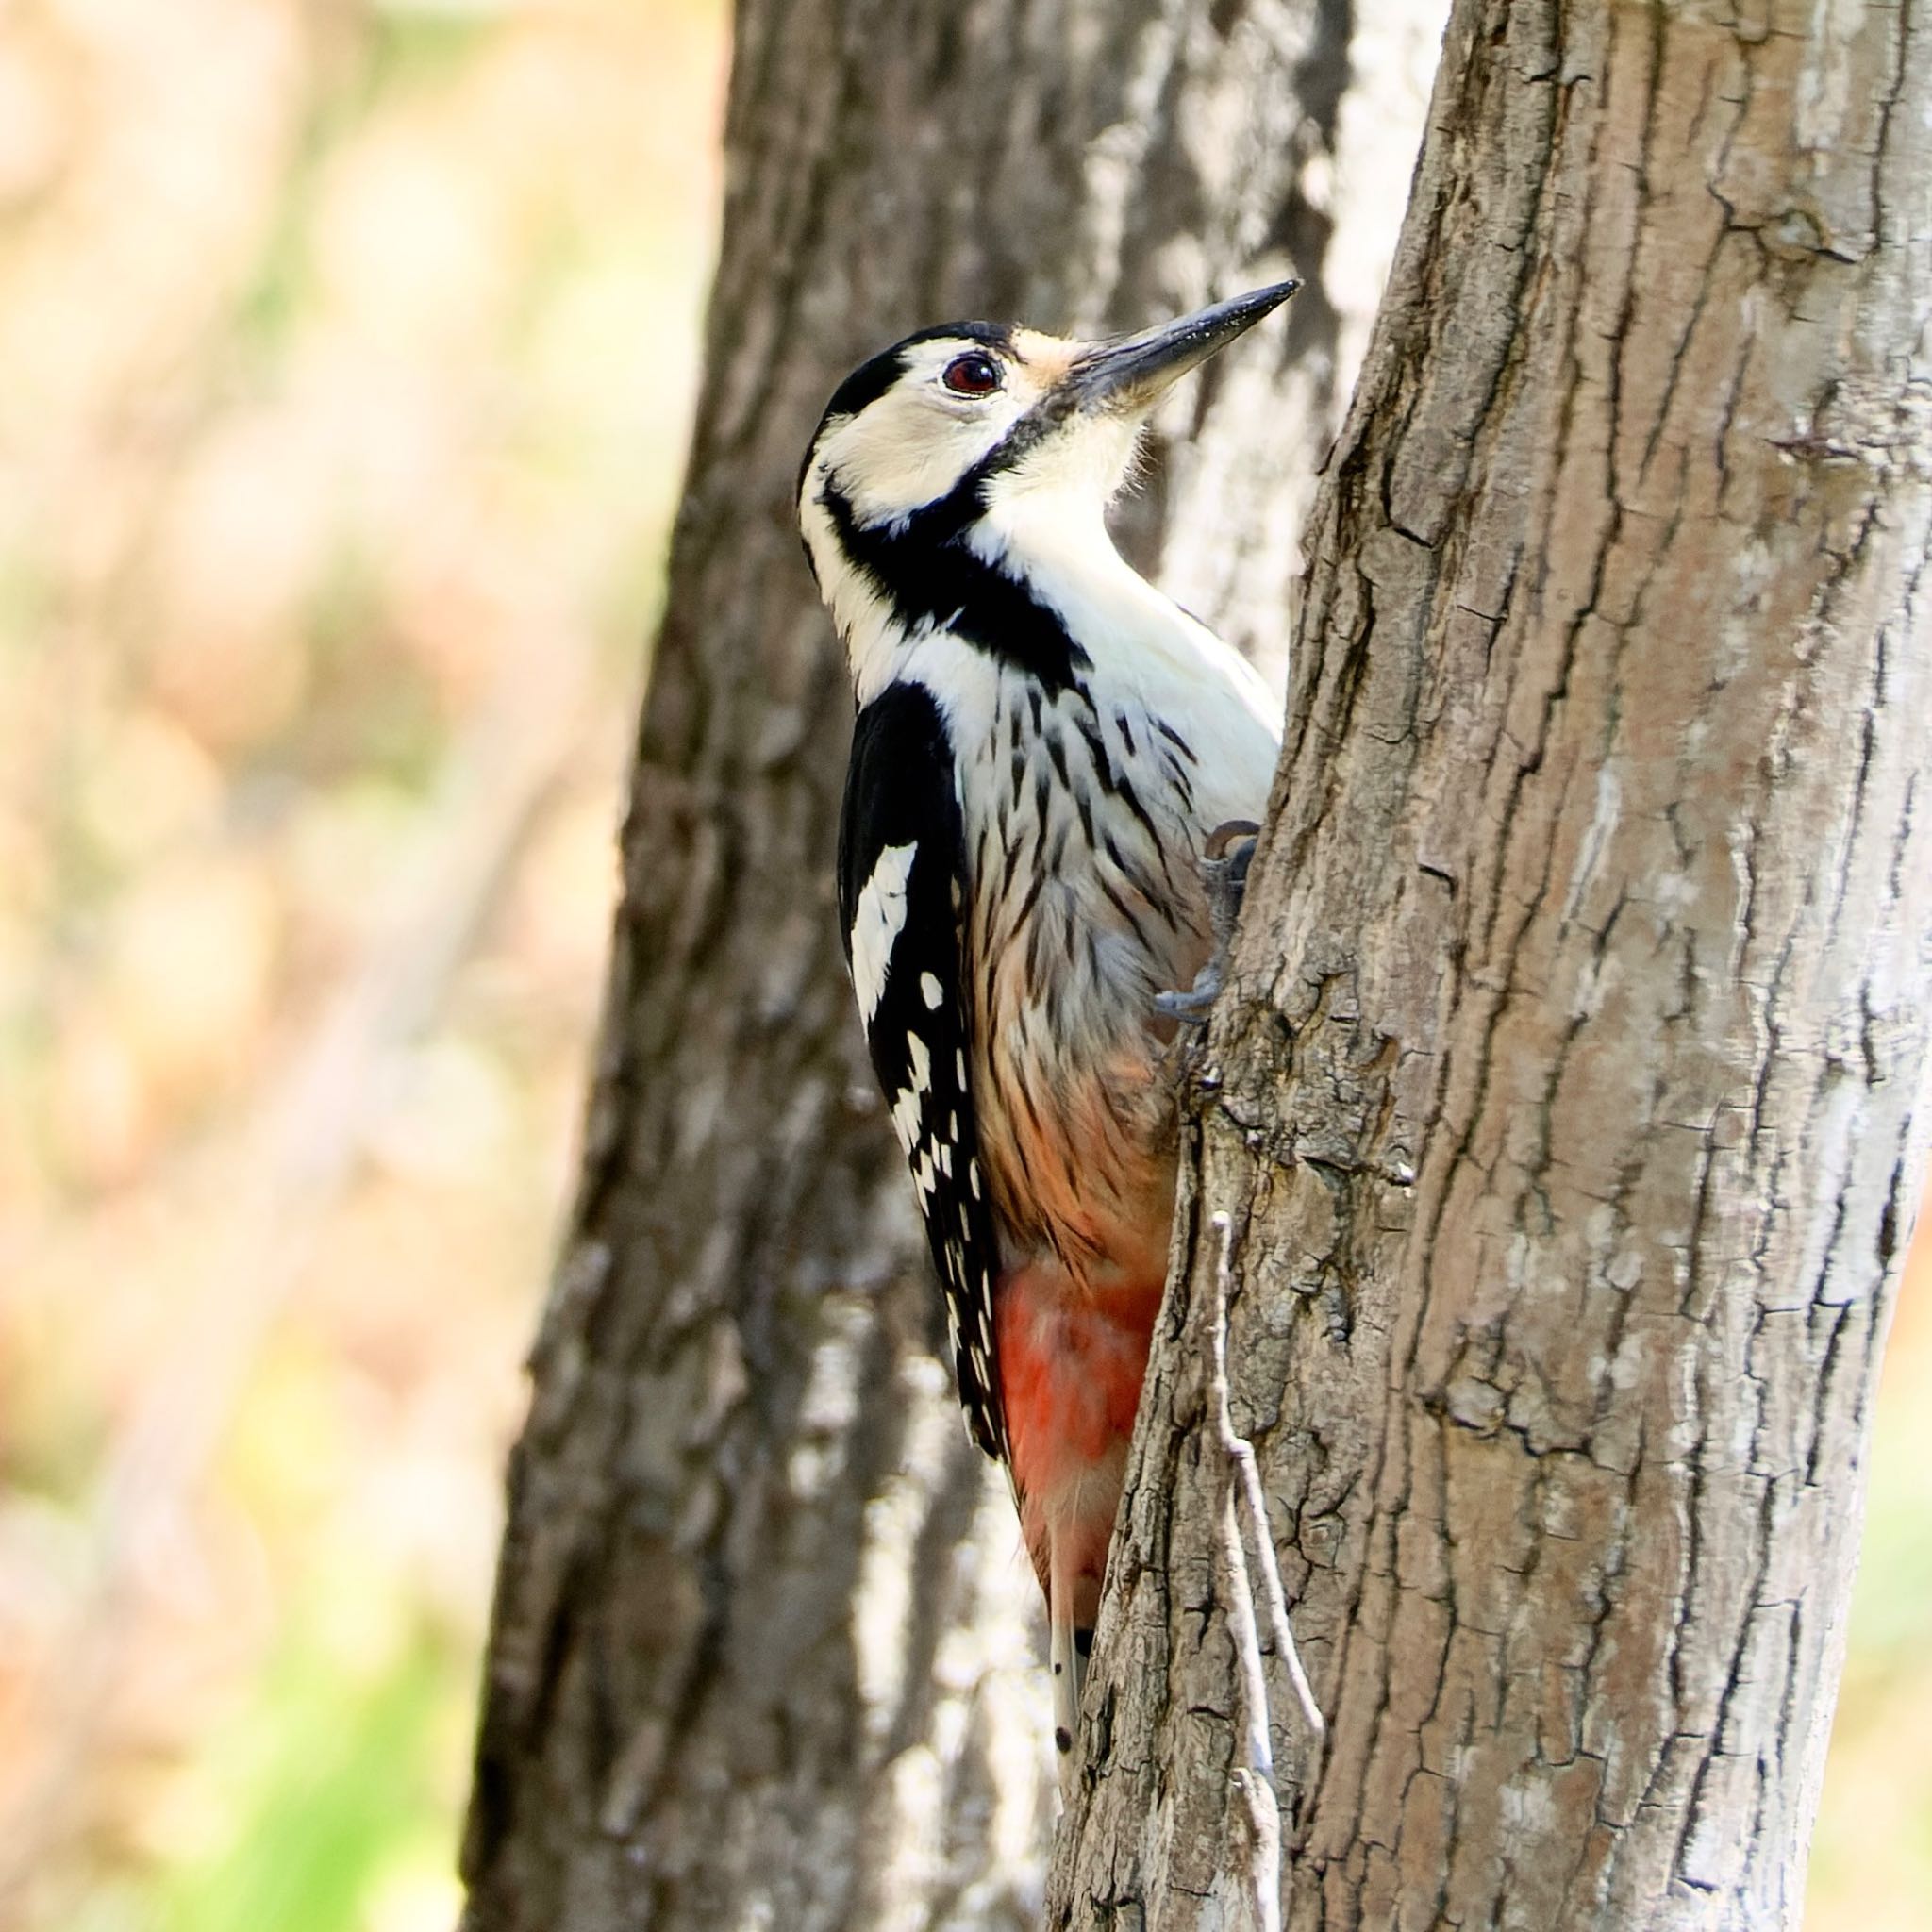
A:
[876,925]
[932,991]
[921,1062]
[906,1119]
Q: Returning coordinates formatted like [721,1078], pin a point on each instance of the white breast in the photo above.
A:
[1084,832]
[1085,811]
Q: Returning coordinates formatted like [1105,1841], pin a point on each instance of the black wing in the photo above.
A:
[901,887]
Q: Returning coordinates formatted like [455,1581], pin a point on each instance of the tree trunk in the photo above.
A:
[763,1651]
[1568,1106]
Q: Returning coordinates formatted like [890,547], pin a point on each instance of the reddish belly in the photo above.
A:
[1071,1369]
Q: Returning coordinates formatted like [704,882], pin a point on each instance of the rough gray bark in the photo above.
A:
[761,1652]
[1569,1105]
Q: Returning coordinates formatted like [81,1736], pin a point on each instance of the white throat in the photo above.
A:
[1050,534]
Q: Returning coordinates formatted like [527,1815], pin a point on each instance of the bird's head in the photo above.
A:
[977,440]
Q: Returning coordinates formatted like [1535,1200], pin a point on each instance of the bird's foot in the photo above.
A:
[1224,868]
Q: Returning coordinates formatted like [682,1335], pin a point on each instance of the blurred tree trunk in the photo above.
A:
[763,1646]
[1568,1108]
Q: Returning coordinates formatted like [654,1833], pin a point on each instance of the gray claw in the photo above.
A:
[1192,1007]
[1225,861]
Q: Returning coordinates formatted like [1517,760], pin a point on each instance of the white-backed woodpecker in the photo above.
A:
[1044,746]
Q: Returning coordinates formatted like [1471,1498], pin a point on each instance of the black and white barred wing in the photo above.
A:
[901,885]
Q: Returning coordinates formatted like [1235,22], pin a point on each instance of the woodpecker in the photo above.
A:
[1044,747]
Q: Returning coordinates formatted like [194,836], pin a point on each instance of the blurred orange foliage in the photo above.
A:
[350,352]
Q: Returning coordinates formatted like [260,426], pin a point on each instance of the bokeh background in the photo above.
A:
[346,357]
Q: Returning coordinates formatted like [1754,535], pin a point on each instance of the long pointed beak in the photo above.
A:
[1129,371]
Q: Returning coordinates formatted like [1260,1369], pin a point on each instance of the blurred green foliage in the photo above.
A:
[332,1796]
[1872,1857]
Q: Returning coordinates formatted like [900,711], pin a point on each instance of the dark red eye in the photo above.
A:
[972,374]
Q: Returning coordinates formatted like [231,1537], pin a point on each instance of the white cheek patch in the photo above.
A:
[909,446]
[913,457]
[877,923]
